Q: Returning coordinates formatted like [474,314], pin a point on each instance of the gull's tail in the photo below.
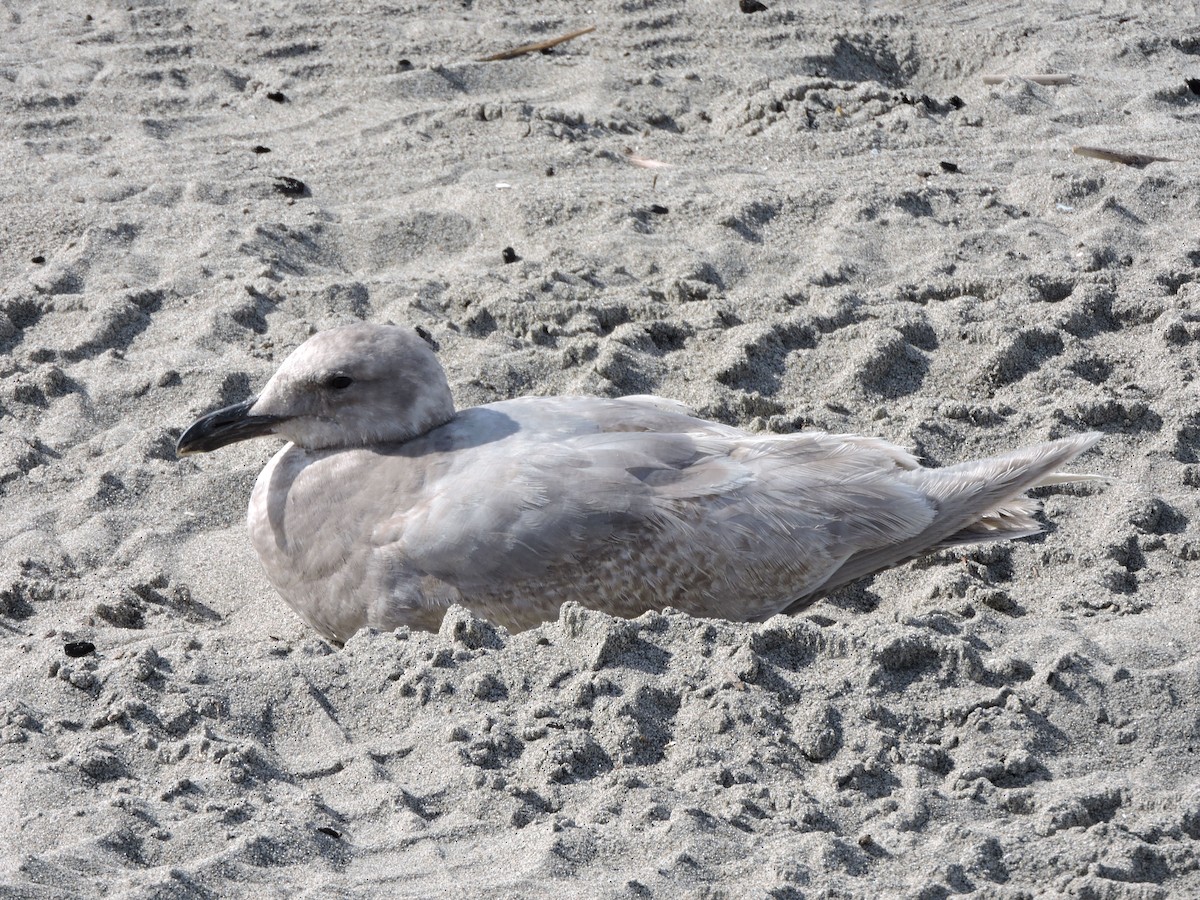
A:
[975,502]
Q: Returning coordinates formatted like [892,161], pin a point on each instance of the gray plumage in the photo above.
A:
[387,506]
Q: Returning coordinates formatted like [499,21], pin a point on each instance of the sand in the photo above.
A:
[841,227]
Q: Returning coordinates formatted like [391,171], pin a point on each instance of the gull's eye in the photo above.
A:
[339,382]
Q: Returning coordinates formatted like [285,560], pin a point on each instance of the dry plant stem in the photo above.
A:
[643,162]
[1137,160]
[534,48]
[1036,79]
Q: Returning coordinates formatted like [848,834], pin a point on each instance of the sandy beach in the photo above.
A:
[806,217]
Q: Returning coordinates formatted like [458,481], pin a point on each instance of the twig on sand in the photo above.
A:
[643,162]
[1137,160]
[1036,79]
[534,48]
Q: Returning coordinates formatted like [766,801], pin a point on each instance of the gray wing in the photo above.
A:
[689,513]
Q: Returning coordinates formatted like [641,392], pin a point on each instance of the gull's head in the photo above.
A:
[346,387]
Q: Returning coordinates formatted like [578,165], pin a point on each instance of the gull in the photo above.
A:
[387,505]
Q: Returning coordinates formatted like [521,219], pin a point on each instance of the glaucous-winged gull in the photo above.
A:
[387,506]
